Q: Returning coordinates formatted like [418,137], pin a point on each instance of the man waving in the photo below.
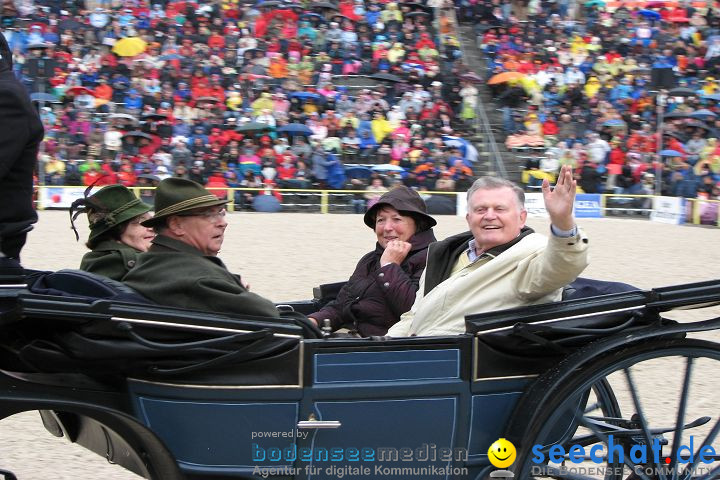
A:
[500,263]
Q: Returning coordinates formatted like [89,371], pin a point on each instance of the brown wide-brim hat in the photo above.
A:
[175,196]
[406,201]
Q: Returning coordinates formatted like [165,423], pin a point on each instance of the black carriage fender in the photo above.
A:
[109,432]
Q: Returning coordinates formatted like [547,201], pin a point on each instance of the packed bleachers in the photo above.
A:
[622,91]
[271,94]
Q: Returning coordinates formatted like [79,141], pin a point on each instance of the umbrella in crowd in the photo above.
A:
[255,50]
[266,203]
[670,153]
[417,14]
[170,56]
[70,24]
[387,77]
[650,14]
[467,149]
[149,176]
[338,17]
[682,92]
[313,17]
[252,127]
[682,138]
[711,96]
[129,46]
[672,115]
[358,172]
[388,168]
[471,77]
[44,97]
[416,5]
[37,46]
[121,116]
[79,90]
[703,114]
[595,3]
[697,124]
[505,77]
[327,5]
[295,129]
[441,205]
[305,95]
[206,100]
[614,122]
[154,116]
[137,134]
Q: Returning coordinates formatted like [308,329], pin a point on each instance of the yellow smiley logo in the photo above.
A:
[501,453]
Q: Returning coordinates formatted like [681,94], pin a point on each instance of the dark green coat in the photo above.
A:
[176,274]
[111,259]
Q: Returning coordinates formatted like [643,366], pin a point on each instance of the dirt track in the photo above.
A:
[325,248]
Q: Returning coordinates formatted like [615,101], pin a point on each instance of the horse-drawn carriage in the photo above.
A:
[170,393]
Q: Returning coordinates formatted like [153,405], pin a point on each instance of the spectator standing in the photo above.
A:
[20,137]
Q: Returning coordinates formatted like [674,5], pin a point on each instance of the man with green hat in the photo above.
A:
[181,269]
[116,235]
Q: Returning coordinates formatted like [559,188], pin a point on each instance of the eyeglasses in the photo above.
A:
[213,216]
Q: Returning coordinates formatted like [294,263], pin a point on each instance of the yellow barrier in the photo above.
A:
[693,215]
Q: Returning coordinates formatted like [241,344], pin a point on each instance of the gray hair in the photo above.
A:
[492,183]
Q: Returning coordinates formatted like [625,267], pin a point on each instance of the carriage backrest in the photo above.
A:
[78,283]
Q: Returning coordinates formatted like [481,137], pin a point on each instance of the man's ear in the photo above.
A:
[523,217]
[175,226]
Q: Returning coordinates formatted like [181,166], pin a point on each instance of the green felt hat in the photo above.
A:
[177,195]
[108,207]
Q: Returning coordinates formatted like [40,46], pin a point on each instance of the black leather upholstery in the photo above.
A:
[83,284]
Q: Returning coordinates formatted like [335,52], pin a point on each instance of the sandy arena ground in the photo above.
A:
[283,256]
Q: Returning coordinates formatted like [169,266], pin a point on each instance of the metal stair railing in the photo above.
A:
[482,123]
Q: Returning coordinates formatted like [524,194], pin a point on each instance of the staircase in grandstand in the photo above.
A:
[494,158]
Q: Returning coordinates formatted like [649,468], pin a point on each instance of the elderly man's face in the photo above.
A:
[204,229]
[494,217]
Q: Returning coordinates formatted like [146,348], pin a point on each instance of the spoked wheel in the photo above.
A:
[664,425]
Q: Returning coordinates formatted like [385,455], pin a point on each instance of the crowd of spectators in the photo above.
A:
[268,94]
[621,91]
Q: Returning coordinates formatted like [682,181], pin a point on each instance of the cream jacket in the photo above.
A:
[532,271]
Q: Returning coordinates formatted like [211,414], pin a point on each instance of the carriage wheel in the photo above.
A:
[667,391]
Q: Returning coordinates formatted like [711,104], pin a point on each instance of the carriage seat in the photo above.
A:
[78,283]
[586,287]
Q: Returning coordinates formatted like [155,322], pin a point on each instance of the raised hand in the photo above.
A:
[559,201]
[395,252]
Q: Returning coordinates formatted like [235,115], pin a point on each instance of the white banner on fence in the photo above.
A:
[461,204]
[535,205]
[668,210]
[59,197]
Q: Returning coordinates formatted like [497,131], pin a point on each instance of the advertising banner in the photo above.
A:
[668,210]
[59,197]
[535,205]
[461,204]
[587,205]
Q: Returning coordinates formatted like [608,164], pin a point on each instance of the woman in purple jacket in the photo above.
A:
[385,281]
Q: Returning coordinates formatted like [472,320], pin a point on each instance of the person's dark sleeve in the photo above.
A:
[222,296]
[15,135]
[333,310]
